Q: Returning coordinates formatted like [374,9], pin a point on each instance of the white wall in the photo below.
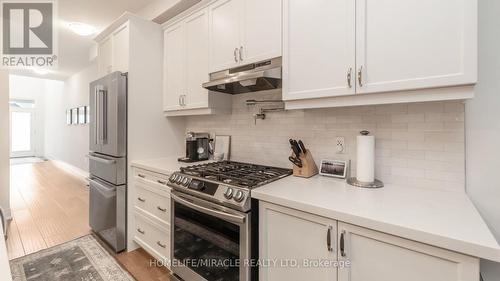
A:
[4,143]
[29,88]
[483,128]
[66,143]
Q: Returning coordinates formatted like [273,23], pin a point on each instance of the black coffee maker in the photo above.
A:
[197,147]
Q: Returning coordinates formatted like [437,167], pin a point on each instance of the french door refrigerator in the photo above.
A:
[108,159]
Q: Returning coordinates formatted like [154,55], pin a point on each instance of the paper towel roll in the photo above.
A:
[366,159]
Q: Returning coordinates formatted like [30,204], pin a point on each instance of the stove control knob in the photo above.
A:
[179,179]
[172,178]
[185,181]
[229,193]
[238,197]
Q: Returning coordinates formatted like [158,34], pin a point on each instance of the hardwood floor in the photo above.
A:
[49,207]
[138,265]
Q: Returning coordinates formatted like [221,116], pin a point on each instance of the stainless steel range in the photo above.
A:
[215,221]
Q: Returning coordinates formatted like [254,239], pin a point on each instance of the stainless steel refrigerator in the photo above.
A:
[108,159]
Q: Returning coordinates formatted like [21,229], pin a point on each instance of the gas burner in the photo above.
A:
[236,173]
[226,183]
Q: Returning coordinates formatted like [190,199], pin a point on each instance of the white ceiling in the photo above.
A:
[74,49]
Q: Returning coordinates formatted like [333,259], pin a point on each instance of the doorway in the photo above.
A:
[22,129]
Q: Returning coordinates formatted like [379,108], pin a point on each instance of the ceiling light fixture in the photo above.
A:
[40,71]
[82,29]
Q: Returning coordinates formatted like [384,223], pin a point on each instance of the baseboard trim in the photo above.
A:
[69,168]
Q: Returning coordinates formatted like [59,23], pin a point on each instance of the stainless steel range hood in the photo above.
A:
[255,77]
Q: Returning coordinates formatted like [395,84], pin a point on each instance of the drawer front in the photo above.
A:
[157,205]
[155,238]
[151,177]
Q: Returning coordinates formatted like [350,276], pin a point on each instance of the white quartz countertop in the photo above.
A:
[443,219]
[166,166]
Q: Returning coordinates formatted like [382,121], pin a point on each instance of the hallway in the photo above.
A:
[49,207]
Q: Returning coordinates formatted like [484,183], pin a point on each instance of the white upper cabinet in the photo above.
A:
[262,30]
[404,45]
[319,48]
[225,31]
[174,67]
[197,60]
[186,68]
[378,256]
[113,51]
[336,50]
[105,57]
[121,48]
[243,32]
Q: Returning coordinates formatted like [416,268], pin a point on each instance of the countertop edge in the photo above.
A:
[443,242]
[150,168]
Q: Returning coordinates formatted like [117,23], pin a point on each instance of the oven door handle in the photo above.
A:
[209,211]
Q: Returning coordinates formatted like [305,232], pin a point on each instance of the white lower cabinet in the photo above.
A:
[287,235]
[151,210]
[377,256]
[152,237]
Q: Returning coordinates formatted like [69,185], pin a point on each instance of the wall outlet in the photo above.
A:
[340,144]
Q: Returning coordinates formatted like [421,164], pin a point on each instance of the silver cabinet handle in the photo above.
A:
[329,239]
[360,76]
[349,77]
[241,53]
[235,56]
[161,182]
[141,175]
[141,231]
[161,245]
[342,244]
[141,199]
[161,209]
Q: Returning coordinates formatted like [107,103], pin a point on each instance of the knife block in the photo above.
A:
[309,167]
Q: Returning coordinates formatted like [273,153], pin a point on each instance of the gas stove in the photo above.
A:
[227,183]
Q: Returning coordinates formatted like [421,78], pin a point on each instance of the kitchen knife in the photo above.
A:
[302,147]
[295,148]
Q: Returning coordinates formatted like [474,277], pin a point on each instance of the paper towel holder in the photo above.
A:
[355,182]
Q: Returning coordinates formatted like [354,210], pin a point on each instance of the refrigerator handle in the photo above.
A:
[97,118]
[104,117]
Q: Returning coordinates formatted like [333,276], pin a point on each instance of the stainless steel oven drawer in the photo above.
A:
[108,168]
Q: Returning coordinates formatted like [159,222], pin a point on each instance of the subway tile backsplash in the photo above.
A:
[417,145]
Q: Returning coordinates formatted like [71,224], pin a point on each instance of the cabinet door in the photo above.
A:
[105,57]
[225,30]
[262,30]
[404,45]
[289,236]
[121,48]
[197,61]
[377,256]
[318,48]
[174,67]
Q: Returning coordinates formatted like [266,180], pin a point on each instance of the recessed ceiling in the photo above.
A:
[74,49]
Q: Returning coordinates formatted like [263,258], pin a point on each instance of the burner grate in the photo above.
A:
[236,173]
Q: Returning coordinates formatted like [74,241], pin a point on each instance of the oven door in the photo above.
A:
[209,242]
